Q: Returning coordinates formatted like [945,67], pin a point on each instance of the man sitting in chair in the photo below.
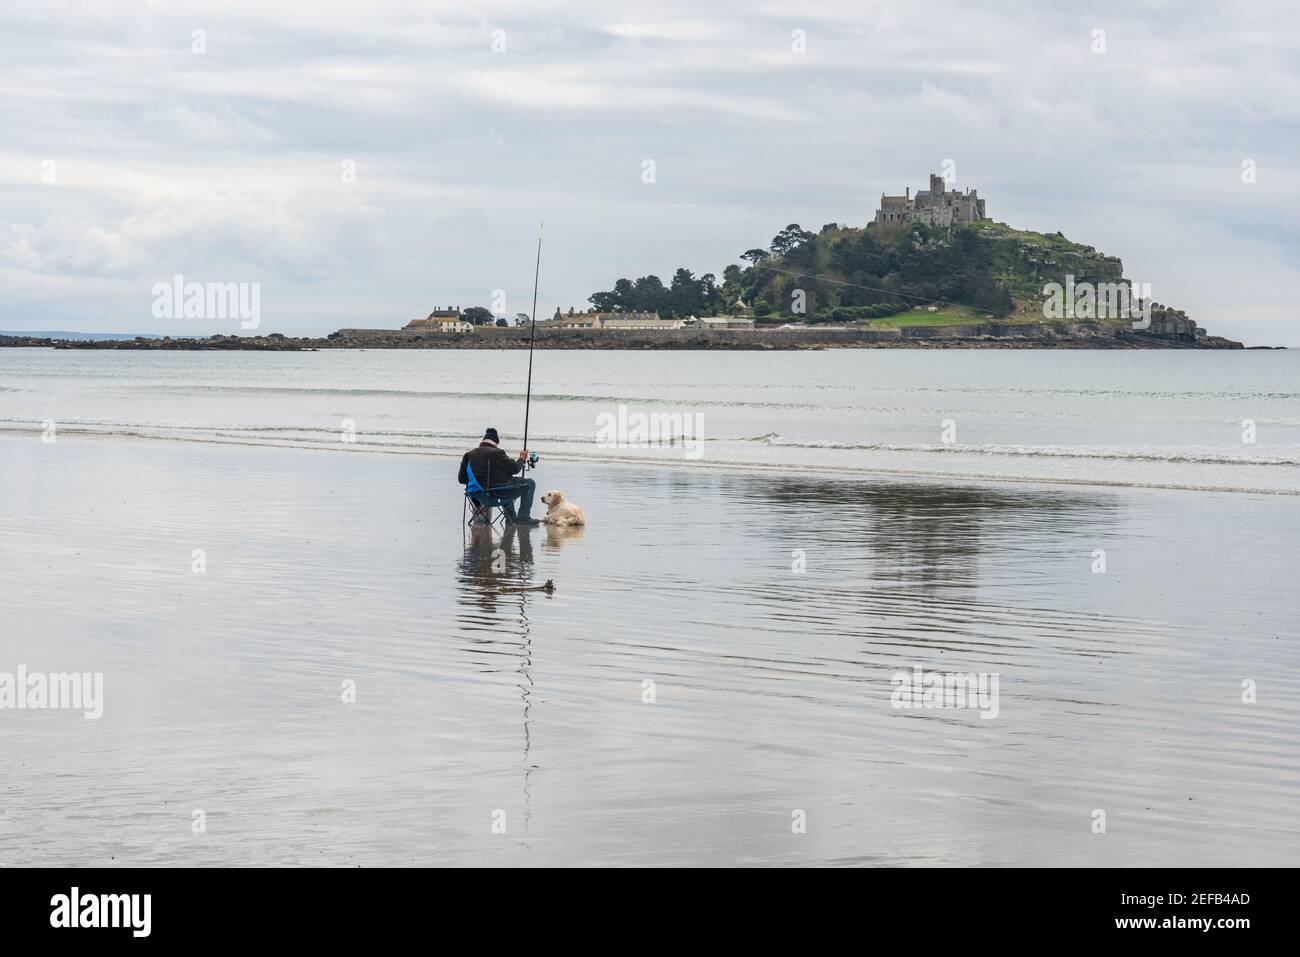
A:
[496,471]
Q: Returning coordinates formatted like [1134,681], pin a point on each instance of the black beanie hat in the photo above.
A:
[492,434]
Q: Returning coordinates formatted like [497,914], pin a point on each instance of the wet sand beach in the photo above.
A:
[770,611]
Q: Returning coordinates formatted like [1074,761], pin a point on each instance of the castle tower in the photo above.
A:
[938,206]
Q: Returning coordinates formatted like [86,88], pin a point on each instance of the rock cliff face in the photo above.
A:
[1025,260]
[1170,323]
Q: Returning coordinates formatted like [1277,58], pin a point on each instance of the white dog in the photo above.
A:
[562,513]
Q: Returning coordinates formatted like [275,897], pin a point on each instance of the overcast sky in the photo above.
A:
[227,165]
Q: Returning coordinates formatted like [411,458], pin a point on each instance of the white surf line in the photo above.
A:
[712,465]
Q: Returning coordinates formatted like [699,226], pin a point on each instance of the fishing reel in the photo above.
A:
[532,460]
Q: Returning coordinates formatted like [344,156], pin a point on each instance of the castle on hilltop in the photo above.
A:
[935,206]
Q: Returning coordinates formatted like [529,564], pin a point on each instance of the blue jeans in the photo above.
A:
[518,488]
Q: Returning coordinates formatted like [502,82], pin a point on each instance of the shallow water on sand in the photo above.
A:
[1119,692]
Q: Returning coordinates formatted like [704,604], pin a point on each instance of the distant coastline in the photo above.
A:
[986,335]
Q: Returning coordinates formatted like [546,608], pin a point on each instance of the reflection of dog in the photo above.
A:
[557,536]
[561,512]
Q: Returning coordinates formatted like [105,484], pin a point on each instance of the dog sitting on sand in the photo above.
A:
[561,512]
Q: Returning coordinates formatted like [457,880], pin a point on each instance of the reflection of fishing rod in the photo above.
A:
[532,334]
[526,690]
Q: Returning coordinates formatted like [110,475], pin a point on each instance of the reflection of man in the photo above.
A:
[496,471]
[488,570]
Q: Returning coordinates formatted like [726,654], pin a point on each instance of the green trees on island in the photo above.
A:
[921,265]
[478,316]
[684,296]
[837,274]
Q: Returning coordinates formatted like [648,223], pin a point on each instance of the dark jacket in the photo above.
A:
[492,467]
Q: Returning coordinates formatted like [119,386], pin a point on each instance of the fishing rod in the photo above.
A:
[532,334]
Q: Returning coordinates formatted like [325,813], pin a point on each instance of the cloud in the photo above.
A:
[230,234]
[679,30]
[222,126]
[556,87]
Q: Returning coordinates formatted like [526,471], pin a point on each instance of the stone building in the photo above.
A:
[440,320]
[742,323]
[627,321]
[577,320]
[610,320]
[936,206]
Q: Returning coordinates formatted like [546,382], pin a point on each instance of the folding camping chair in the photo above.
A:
[479,502]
